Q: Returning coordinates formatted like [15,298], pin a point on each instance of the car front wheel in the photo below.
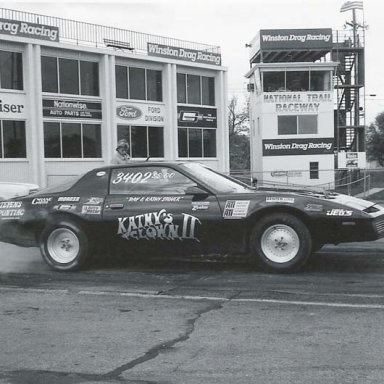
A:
[64,245]
[281,242]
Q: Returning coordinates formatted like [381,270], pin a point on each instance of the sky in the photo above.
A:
[230,24]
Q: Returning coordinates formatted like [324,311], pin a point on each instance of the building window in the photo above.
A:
[320,81]
[296,81]
[193,89]
[297,125]
[12,139]
[273,81]
[74,77]
[11,70]
[314,170]
[144,141]
[197,142]
[72,140]
[138,83]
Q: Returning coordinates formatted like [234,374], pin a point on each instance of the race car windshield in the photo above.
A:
[215,180]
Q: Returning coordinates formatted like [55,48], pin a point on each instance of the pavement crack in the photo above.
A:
[163,347]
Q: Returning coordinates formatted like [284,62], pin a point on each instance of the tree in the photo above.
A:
[375,140]
[238,122]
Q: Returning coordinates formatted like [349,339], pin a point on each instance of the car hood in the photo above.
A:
[349,201]
[352,202]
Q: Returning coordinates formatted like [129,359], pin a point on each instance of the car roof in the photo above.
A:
[141,163]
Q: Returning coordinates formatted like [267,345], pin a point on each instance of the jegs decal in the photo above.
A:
[339,212]
[157,225]
[236,209]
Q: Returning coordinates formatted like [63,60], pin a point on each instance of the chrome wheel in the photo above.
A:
[63,245]
[280,243]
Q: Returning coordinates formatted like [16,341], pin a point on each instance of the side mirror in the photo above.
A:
[196,191]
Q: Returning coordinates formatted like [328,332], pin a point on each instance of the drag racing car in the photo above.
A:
[179,206]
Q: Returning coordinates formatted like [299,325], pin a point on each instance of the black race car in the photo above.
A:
[179,206]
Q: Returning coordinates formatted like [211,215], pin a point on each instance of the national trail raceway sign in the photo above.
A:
[286,147]
[196,117]
[185,54]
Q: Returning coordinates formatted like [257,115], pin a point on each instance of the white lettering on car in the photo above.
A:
[157,225]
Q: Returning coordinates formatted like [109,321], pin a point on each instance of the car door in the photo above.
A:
[159,205]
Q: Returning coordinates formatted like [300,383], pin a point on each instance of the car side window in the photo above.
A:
[149,180]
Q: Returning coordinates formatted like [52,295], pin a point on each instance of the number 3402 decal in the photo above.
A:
[140,177]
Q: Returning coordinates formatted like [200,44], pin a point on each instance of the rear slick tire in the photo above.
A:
[64,245]
[281,242]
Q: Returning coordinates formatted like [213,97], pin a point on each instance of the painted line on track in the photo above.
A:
[151,295]
[223,299]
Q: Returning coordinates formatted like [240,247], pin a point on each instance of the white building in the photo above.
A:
[70,90]
[292,106]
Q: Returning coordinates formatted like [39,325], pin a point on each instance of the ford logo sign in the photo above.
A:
[128,112]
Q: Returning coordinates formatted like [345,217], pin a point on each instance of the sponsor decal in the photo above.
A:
[197,117]
[157,225]
[200,205]
[65,207]
[41,200]
[11,213]
[279,199]
[236,209]
[284,147]
[91,210]
[185,54]
[128,112]
[71,109]
[26,29]
[69,198]
[10,204]
[11,209]
[101,173]
[339,212]
[313,207]
[154,199]
[94,201]
[154,114]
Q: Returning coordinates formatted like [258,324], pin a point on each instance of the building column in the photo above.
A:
[108,92]
[36,124]
[222,134]
[170,100]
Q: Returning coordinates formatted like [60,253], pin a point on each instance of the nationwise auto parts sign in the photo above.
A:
[275,39]
[287,147]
